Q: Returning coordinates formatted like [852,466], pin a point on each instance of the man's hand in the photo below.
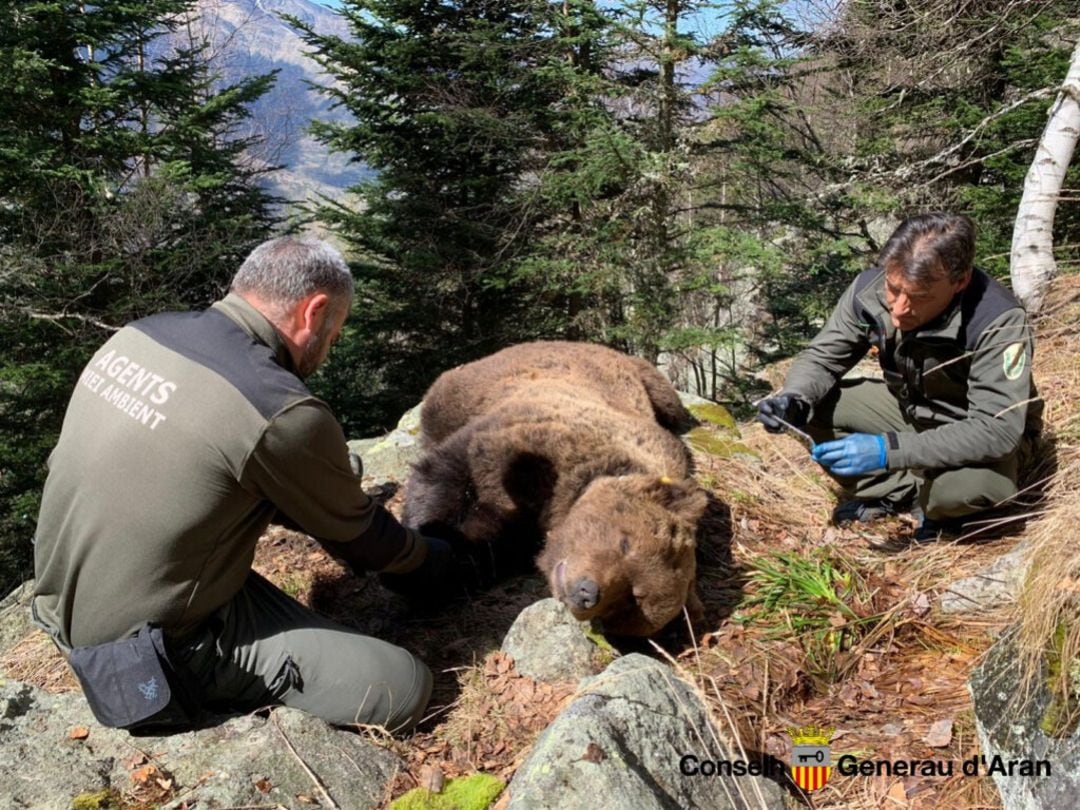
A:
[858,454]
[788,407]
[434,578]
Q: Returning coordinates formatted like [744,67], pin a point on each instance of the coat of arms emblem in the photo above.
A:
[811,763]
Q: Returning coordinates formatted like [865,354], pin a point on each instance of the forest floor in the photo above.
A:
[809,624]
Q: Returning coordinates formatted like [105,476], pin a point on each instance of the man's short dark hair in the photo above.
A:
[931,246]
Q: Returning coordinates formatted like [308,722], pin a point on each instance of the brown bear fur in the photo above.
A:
[570,445]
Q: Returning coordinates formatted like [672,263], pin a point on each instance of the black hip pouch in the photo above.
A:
[130,683]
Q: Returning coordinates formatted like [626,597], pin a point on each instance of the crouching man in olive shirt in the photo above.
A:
[186,435]
[944,432]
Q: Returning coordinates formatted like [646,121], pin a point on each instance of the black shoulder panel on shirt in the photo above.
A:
[982,302]
[212,339]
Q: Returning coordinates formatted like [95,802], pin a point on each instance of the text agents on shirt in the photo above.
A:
[187,433]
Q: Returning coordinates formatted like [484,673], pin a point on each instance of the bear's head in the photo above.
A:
[625,552]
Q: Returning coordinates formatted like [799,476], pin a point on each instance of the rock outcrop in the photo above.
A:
[54,752]
[386,459]
[620,743]
[1011,730]
[548,644]
[997,584]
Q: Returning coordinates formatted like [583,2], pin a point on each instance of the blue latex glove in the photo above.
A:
[858,454]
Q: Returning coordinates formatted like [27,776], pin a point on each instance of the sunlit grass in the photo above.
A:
[820,600]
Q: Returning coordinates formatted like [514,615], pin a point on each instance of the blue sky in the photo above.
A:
[706,23]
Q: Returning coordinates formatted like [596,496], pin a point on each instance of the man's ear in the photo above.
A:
[313,311]
[962,283]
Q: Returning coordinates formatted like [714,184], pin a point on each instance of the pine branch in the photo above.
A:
[69,316]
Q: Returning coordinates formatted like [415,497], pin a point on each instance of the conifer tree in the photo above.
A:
[457,108]
[122,192]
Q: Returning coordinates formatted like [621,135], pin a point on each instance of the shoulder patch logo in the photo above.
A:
[1014,358]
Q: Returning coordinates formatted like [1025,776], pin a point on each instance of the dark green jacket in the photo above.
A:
[186,434]
[963,381]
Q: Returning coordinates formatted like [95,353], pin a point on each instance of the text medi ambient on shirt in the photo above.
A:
[129,387]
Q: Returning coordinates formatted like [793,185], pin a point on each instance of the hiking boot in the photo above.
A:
[930,530]
[856,511]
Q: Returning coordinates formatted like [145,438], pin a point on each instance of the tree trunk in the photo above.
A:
[1032,263]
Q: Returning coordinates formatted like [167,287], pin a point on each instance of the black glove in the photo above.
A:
[788,407]
[435,578]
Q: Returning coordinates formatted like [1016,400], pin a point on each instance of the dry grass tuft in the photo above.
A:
[34,659]
[1049,608]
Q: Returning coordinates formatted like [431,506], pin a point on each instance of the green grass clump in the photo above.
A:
[818,600]
[787,579]
[474,792]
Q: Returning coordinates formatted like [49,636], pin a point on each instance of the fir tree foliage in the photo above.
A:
[535,179]
[458,107]
[123,191]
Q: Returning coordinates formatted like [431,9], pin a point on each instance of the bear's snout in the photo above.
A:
[584,594]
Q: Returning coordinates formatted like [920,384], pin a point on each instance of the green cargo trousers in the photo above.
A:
[866,406]
[264,648]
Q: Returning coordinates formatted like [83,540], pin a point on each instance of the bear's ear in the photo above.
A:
[683,498]
[691,507]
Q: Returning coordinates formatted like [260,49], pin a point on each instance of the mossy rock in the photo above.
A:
[97,800]
[708,441]
[716,415]
[475,792]
[1062,713]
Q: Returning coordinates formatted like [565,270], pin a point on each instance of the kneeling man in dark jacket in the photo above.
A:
[943,433]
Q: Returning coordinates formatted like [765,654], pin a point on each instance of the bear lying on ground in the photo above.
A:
[568,446]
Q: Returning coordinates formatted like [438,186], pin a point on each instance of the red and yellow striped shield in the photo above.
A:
[811,762]
[811,777]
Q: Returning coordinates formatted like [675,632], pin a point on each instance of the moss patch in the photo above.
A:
[475,792]
[1062,715]
[98,800]
[716,415]
[605,653]
[705,440]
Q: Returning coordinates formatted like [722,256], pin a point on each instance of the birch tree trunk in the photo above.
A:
[1031,264]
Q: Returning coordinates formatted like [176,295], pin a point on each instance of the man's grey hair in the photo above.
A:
[290,268]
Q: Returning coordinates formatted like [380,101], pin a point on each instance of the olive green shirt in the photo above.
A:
[186,435]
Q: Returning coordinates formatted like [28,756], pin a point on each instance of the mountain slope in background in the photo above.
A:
[247,37]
